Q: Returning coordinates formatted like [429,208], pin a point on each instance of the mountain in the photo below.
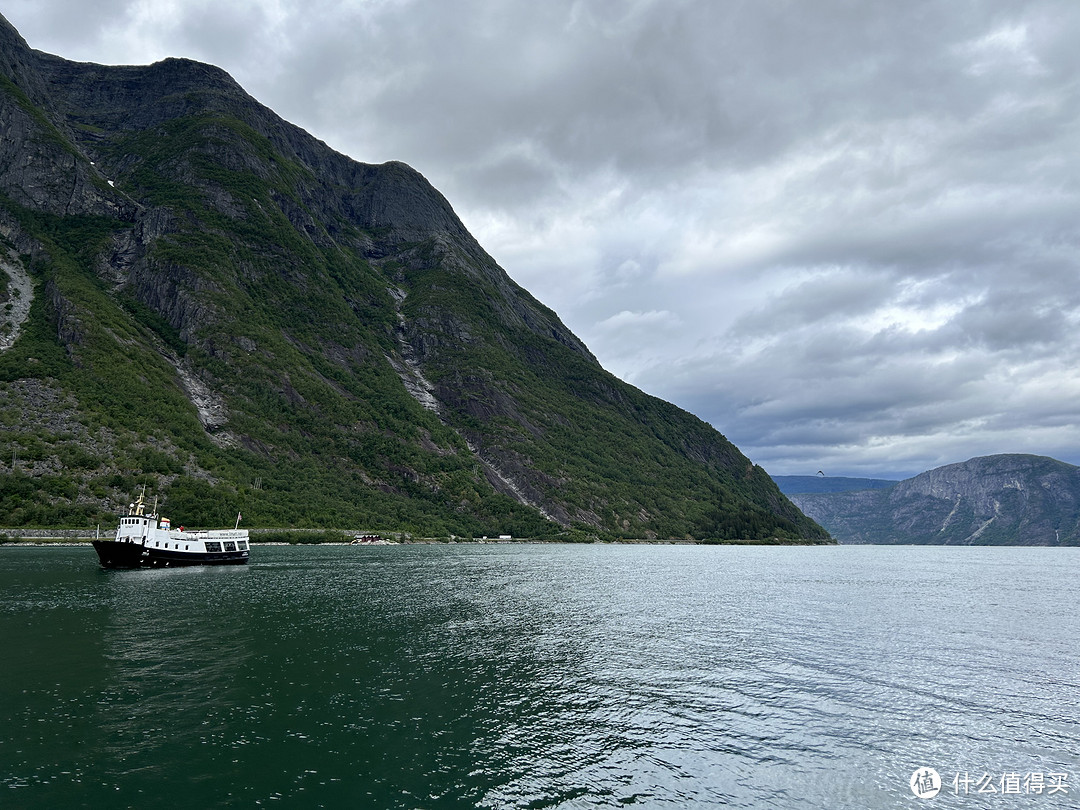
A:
[993,500]
[802,484]
[202,297]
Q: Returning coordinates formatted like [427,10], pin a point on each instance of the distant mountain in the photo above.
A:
[992,500]
[200,296]
[801,484]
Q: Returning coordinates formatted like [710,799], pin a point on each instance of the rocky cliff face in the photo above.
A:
[239,315]
[993,500]
[39,167]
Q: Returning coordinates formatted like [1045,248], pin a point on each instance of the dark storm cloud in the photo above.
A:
[844,233]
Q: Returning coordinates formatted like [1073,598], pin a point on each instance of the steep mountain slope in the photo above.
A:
[992,500]
[228,309]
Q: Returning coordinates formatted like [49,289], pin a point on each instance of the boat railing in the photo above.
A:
[210,534]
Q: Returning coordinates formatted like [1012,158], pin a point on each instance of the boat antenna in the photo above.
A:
[237,526]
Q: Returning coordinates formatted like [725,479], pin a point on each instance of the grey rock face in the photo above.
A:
[38,166]
[993,500]
[16,295]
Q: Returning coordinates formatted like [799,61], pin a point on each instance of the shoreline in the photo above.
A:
[43,541]
[25,536]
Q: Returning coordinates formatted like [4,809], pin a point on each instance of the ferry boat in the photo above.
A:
[145,540]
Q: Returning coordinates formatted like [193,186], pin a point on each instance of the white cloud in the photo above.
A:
[1006,47]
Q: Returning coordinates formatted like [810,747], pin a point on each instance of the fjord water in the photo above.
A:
[538,676]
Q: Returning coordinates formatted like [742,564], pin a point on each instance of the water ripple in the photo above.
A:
[536,676]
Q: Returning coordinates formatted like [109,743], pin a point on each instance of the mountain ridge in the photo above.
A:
[1005,499]
[228,309]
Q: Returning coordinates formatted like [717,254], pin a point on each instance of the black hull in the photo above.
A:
[133,555]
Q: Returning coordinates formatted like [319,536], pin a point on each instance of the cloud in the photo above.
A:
[845,234]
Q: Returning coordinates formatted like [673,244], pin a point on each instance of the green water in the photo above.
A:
[536,676]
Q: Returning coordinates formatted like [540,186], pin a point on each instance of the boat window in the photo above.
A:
[242,545]
[212,547]
[230,546]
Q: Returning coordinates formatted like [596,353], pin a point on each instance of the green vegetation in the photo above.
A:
[301,538]
[625,452]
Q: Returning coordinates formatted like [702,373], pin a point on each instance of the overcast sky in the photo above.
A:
[844,232]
